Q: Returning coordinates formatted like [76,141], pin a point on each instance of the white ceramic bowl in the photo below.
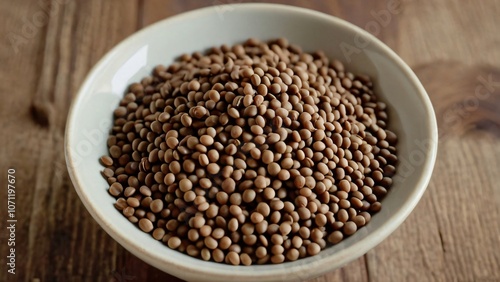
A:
[90,118]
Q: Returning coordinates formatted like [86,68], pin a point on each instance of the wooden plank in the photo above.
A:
[441,240]
[155,10]
[57,239]
[21,142]
[453,233]
[462,31]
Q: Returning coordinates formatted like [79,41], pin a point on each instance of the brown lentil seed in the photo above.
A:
[174,242]
[313,249]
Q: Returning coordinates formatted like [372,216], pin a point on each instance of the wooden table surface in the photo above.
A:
[453,46]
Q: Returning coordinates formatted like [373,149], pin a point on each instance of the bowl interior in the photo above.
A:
[90,119]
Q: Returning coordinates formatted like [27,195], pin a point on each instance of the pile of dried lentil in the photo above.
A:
[251,154]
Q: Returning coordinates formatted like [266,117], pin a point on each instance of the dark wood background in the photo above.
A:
[453,46]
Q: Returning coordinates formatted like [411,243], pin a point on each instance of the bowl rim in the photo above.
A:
[269,272]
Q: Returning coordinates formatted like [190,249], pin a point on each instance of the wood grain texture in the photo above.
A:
[453,234]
